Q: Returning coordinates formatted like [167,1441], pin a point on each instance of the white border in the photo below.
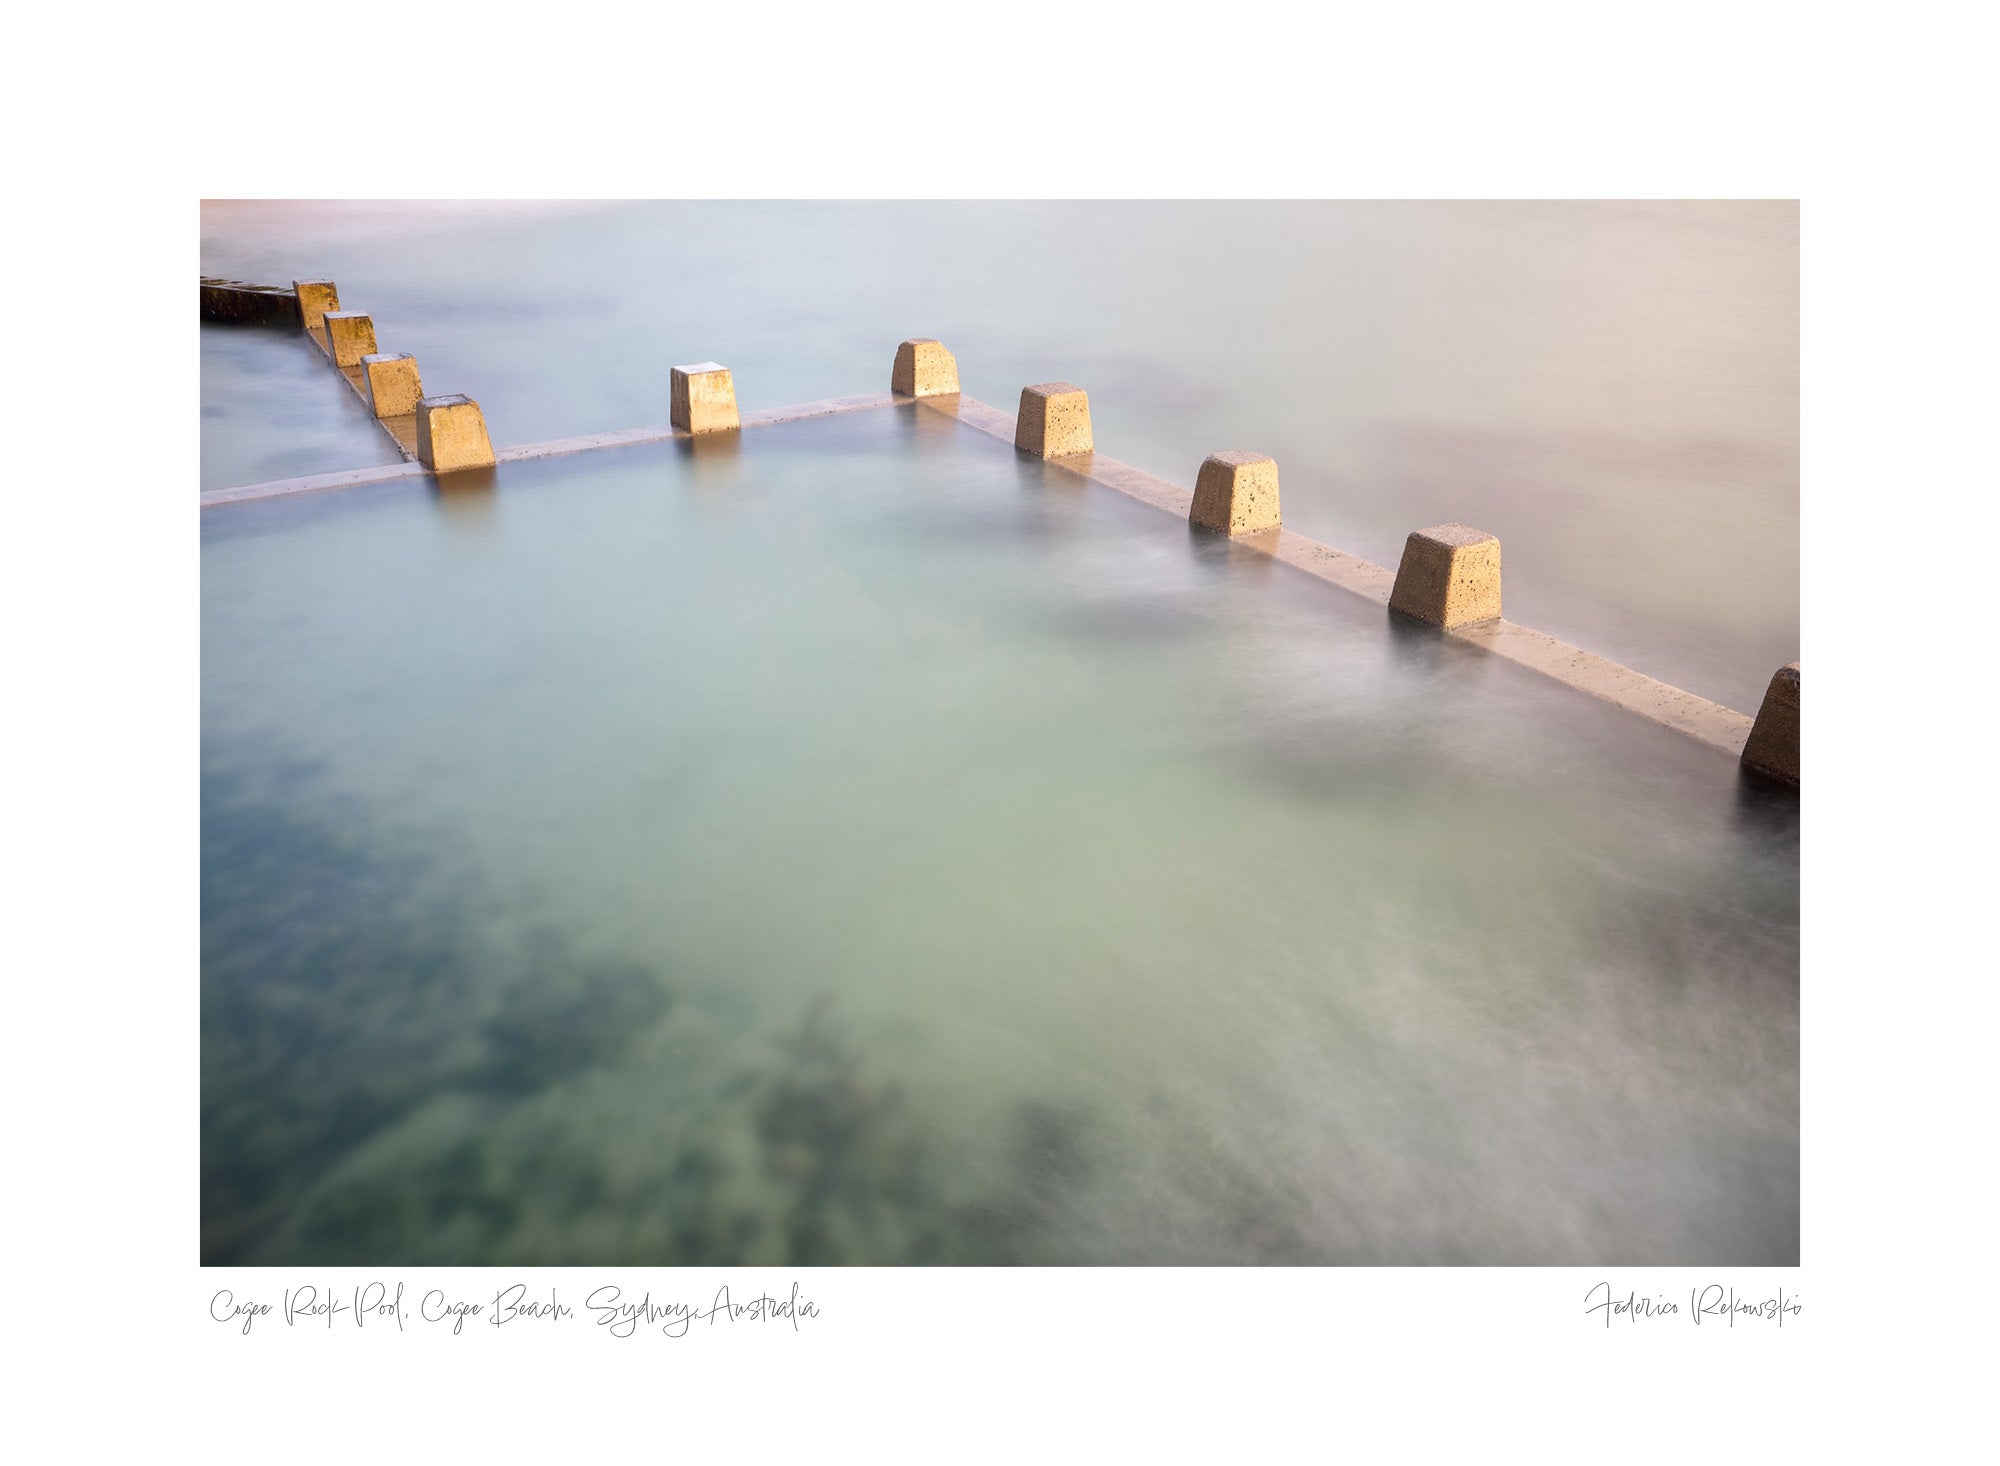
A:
[1869,126]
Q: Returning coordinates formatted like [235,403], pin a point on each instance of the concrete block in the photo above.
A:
[316,298]
[1773,748]
[350,335]
[1450,576]
[451,434]
[1236,493]
[923,369]
[1054,420]
[704,398]
[391,384]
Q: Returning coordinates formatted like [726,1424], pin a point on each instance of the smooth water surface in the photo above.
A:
[1612,388]
[851,843]
[272,408]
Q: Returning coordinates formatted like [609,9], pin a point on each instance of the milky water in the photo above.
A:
[1611,388]
[851,842]
[271,408]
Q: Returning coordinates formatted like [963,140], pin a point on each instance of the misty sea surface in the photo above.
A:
[848,841]
[1609,387]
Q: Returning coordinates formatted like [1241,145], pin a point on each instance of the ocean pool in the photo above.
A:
[847,841]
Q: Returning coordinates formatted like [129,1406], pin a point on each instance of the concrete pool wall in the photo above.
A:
[1449,576]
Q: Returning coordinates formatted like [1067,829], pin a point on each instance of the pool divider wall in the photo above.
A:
[390,384]
[449,439]
[1449,576]
[704,398]
[355,478]
[451,435]
[1721,728]
[316,298]
[1054,421]
[347,340]
[1236,493]
[350,335]
[1773,745]
[924,369]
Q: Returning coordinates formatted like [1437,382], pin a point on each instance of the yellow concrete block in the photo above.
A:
[350,335]
[451,434]
[924,369]
[1450,576]
[391,384]
[704,398]
[1773,748]
[316,298]
[1236,493]
[1054,420]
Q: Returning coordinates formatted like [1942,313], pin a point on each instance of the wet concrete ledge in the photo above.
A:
[312,484]
[550,448]
[662,432]
[1721,728]
[250,305]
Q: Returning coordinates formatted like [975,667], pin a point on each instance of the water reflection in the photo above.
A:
[934,420]
[710,450]
[466,499]
[1767,808]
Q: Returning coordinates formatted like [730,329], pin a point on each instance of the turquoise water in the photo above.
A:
[850,842]
[1612,388]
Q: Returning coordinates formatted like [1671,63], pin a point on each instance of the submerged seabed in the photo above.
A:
[853,844]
